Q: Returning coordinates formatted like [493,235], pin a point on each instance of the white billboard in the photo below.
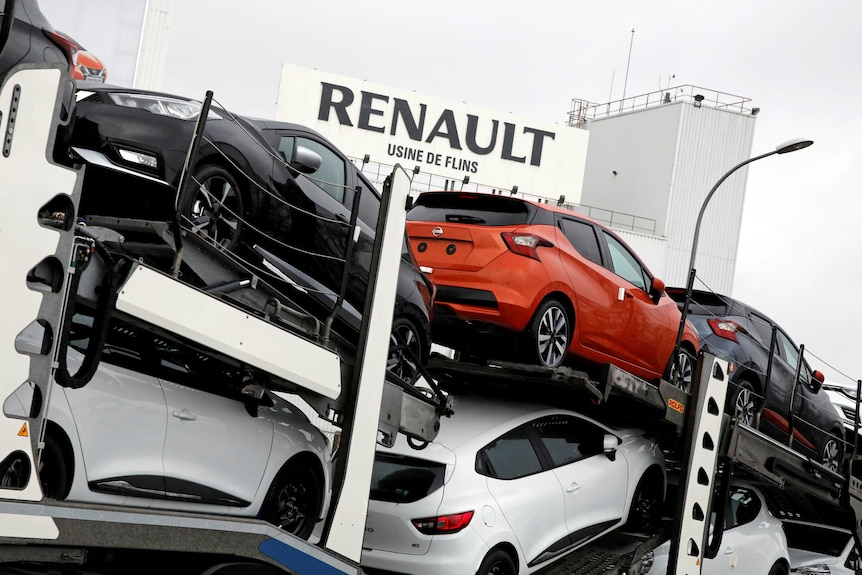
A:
[443,137]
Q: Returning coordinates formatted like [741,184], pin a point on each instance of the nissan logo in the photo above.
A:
[437,232]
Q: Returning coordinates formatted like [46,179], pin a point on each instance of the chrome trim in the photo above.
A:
[95,158]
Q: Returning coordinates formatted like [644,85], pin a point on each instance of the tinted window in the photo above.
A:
[331,175]
[763,327]
[369,204]
[509,457]
[583,238]
[480,209]
[625,264]
[404,479]
[743,507]
[569,439]
[815,538]
[788,350]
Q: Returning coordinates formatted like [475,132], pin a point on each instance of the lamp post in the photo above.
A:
[790,146]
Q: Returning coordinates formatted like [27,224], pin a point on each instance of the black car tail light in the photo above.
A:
[525,244]
[443,523]
[726,328]
[69,47]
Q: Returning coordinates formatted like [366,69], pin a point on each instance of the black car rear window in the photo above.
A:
[401,479]
[815,538]
[480,209]
[702,303]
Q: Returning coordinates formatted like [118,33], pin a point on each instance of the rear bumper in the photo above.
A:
[503,294]
[449,554]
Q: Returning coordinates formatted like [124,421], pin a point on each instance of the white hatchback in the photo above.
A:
[753,541]
[507,488]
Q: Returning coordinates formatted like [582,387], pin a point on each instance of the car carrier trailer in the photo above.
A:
[44,258]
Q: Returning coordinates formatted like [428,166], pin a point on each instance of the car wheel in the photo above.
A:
[53,474]
[645,509]
[293,502]
[549,333]
[213,206]
[15,471]
[404,335]
[778,568]
[497,562]
[743,403]
[680,373]
[831,452]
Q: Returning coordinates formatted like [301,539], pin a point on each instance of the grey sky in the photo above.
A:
[797,61]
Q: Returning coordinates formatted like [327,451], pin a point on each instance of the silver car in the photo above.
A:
[162,425]
[507,488]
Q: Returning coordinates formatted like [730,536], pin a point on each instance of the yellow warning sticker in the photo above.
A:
[675,405]
[23,431]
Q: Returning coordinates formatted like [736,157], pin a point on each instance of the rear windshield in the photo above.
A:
[401,479]
[702,303]
[816,539]
[479,209]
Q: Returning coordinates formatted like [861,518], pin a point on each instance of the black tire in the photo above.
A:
[645,509]
[743,402]
[681,373]
[830,452]
[213,206]
[404,334]
[294,500]
[54,473]
[778,568]
[497,562]
[15,471]
[549,334]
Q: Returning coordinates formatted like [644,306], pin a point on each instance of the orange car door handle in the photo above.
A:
[624,293]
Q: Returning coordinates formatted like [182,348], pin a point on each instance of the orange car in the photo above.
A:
[536,283]
[85,66]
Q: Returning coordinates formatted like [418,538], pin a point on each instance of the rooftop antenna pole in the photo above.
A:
[626,82]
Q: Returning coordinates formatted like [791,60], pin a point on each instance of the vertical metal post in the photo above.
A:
[791,426]
[352,233]
[769,363]
[185,175]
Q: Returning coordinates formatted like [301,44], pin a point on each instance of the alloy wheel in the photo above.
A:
[292,510]
[830,455]
[682,373]
[745,406]
[216,211]
[403,336]
[552,337]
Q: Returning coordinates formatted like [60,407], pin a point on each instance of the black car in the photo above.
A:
[31,38]
[736,332]
[277,194]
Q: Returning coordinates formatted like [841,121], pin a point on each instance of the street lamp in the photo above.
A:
[790,146]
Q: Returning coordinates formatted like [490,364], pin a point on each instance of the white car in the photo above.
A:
[507,488]
[753,542]
[164,426]
[821,549]
[843,397]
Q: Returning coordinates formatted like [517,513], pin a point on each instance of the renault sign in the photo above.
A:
[446,138]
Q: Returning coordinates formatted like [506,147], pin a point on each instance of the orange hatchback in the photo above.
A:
[543,283]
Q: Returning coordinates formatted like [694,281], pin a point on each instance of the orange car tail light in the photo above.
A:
[443,523]
[726,328]
[525,244]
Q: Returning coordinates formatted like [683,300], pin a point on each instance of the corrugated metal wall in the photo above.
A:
[660,163]
[711,142]
[652,250]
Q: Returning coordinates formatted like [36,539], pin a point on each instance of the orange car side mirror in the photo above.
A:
[656,290]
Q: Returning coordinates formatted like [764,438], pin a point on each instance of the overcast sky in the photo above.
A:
[798,61]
